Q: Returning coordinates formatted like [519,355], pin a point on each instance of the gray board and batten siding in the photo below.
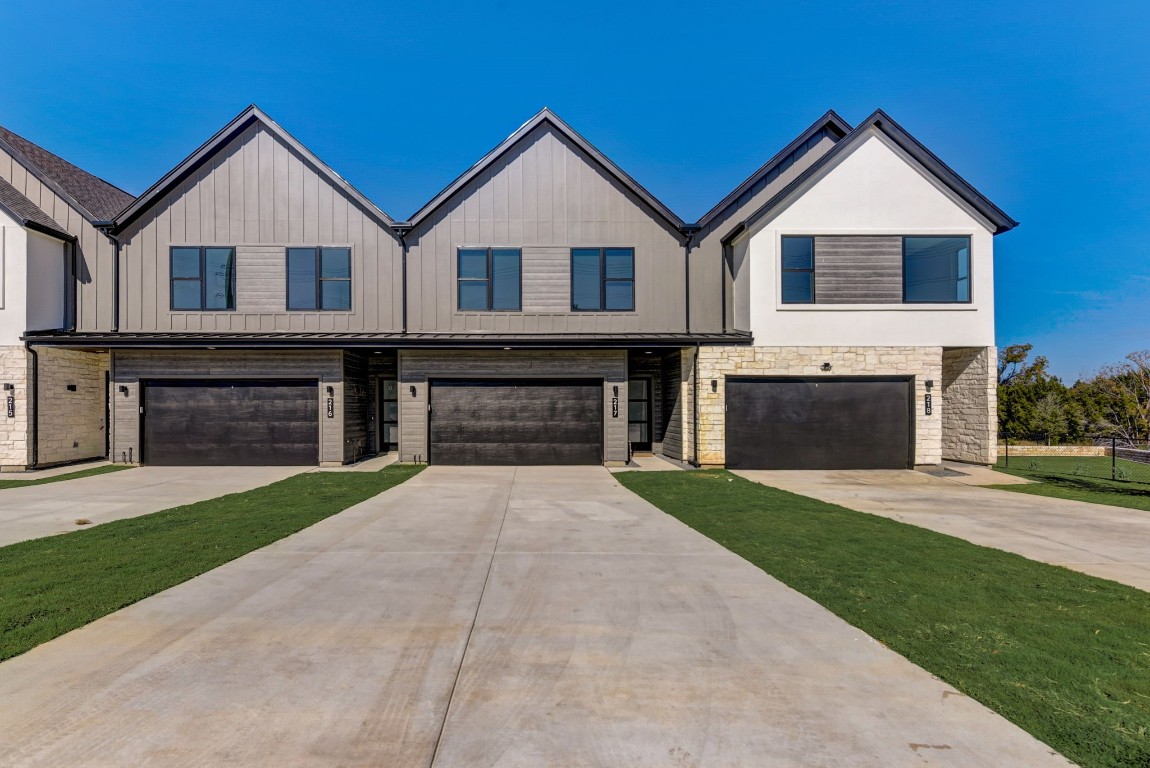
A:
[709,269]
[546,196]
[259,195]
[94,252]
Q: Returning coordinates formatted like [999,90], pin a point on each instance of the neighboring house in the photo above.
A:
[54,409]
[545,308]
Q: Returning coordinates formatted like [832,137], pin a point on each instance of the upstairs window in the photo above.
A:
[489,279]
[319,278]
[603,279]
[798,270]
[203,278]
[936,270]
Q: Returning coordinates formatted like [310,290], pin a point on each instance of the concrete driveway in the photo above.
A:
[45,510]
[489,617]
[1105,541]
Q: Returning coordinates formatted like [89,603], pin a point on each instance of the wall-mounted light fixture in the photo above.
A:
[123,390]
[71,387]
[9,387]
[929,384]
[616,391]
[330,391]
[825,367]
[714,385]
[413,390]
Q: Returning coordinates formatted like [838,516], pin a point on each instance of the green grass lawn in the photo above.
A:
[4,483]
[53,585]
[1055,476]
[1064,655]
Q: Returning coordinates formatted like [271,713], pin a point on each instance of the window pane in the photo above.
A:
[637,433]
[390,389]
[637,389]
[620,262]
[935,269]
[798,288]
[473,294]
[336,294]
[391,411]
[301,278]
[473,264]
[390,434]
[798,253]
[185,294]
[620,295]
[186,263]
[585,278]
[637,410]
[505,289]
[336,262]
[219,266]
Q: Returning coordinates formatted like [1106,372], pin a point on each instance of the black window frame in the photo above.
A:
[319,278]
[969,268]
[489,279]
[603,279]
[783,269]
[202,279]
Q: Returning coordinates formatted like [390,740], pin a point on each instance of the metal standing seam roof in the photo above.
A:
[27,213]
[95,198]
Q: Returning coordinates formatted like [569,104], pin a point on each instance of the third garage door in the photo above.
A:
[517,422]
[808,423]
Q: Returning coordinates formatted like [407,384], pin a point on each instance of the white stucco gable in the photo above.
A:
[872,188]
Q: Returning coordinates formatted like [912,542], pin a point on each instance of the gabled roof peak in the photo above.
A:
[251,114]
[546,115]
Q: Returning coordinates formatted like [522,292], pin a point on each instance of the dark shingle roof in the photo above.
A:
[28,213]
[96,197]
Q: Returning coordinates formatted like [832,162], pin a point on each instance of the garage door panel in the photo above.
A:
[818,424]
[221,422]
[516,422]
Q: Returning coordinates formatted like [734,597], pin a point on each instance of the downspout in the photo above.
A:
[34,406]
[402,232]
[695,407]
[106,228]
[688,231]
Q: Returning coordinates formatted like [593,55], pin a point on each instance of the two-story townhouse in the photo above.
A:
[50,255]
[545,308]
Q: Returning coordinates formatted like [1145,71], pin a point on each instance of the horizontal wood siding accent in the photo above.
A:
[858,270]
[671,385]
[416,367]
[546,197]
[95,253]
[130,366]
[707,272]
[259,196]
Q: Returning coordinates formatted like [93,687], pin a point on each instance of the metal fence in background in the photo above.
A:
[1102,457]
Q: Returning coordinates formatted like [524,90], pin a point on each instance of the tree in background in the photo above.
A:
[1118,398]
[1030,400]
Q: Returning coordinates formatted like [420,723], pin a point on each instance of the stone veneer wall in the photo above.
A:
[970,405]
[71,422]
[717,363]
[15,446]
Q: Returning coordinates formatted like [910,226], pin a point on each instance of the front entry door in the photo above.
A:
[388,415]
[639,413]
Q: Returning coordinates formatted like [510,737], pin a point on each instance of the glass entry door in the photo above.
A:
[639,414]
[388,415]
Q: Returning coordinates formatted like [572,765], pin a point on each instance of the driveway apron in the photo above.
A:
[45,510]
[489,617]
[1105,541]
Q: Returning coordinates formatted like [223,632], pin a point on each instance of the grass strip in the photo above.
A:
[1063,655]
[53,585]
[1059,485]
[67,476]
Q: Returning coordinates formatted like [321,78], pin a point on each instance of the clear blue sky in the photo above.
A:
[1043,106]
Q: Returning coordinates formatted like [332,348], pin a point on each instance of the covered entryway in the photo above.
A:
[819,423]
[504,422]
[230,422]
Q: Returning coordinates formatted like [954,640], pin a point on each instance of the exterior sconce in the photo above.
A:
[929,384]
[616,391]
[123,390]
[9,387]
[825,367]
[413,390]
[71,387]
[330,391]
[714,385]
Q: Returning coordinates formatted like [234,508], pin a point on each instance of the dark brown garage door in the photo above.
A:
[250,423]
[516,422]
[862,423]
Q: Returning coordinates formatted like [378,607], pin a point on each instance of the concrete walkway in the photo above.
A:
[478,617]
[1101,540]
[46,510]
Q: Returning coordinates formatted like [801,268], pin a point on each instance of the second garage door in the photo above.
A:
[792,423]
[516,422]
[239,422]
